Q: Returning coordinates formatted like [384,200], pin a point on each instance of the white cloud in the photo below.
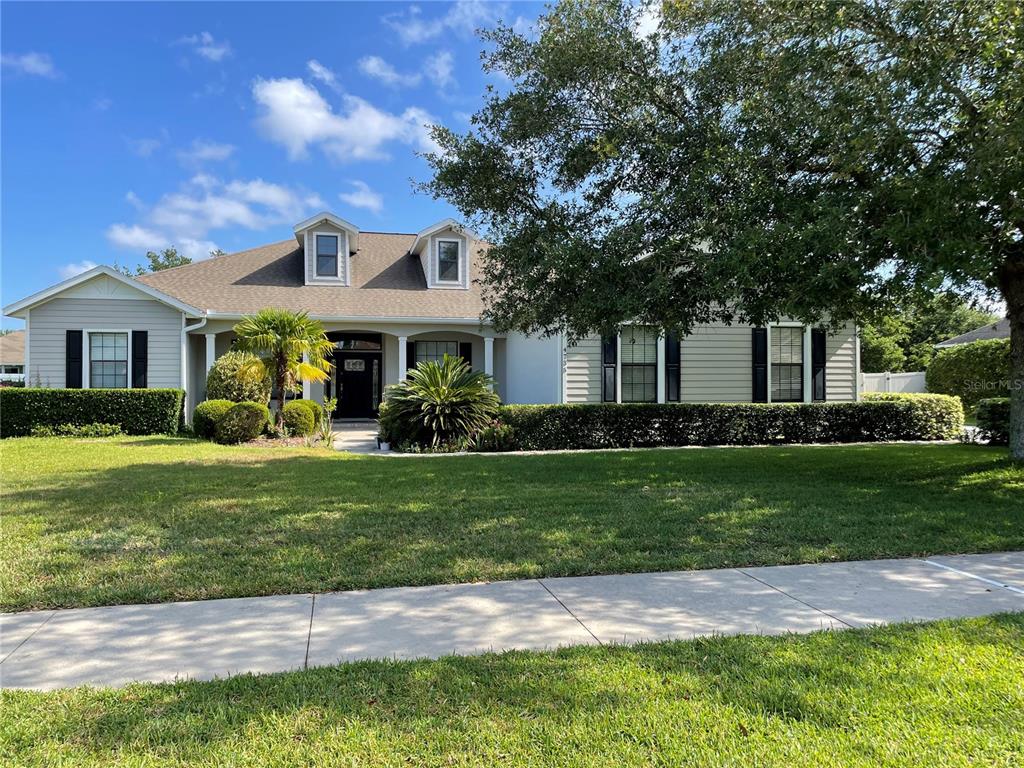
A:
[37,64]
[296,116]
[206,46]
[133,200]
[378,69]
[463,18]
[201,151]
[323,74]
[102,103]
[144,147]
[363,197]
[439,69]
[206,203]
[75,268]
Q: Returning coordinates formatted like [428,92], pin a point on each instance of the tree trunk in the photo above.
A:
[1011,281]
[280,374]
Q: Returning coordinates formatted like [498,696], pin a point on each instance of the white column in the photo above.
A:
[403,363]
[211,351]
[768,362]
[808,384]
[307,385]
[489,355]
[661,368]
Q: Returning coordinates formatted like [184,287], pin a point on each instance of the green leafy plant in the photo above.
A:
[972,372]
[97,429]
[234,377]
[993,415]
[207,414]
[325,427]
[298,418]
[289,346]
[135,411]
[439,404]
[241,423]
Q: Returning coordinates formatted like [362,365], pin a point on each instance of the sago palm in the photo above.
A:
[288,345]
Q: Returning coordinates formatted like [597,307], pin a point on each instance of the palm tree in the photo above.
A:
[288,345]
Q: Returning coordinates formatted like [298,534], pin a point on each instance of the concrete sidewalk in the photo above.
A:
[214,638]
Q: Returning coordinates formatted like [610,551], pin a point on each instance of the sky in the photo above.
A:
[129,127]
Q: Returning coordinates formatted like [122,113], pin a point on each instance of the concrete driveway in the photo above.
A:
[215,638]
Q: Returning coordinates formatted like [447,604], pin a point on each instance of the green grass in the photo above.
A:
[942,694]
[130,520]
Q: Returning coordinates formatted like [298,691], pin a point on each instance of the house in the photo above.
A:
[997,330]
[12,357]
[389,301]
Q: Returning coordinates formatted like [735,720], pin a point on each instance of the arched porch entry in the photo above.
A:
[357,374]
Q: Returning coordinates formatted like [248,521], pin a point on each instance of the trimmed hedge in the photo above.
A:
[972,372]
[994,419]
[242,422]
[298,418]
[207,414]
[553,427]
[135,411]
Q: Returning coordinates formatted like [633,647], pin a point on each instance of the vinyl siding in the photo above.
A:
[715,365]
[51,320]
[841,365]
[583,371]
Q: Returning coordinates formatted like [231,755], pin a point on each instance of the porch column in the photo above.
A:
[307,385]
[661,368]
[403,363]
[489,355]
[211,351]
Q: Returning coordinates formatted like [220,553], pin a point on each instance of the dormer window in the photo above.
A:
[448,261]
[327,250]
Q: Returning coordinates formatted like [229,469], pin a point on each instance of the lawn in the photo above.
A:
[948,693]
[130,520]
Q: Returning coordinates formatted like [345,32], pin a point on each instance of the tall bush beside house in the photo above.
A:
[234,377]
[440,404]
[972,371]
[288,346]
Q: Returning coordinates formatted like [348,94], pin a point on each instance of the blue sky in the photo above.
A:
[129,127]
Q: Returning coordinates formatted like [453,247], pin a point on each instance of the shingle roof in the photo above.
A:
[997,330]
[12,348]
[386,282]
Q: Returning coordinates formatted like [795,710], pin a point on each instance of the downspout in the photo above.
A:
[185,330]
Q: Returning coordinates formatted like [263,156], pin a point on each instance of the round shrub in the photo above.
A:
[994,419]
[226,382]
[207,414]
[298,419]
[972,371]
[315,409]
[242,422]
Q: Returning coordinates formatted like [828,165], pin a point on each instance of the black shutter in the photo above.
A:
[466,352]
[671,368]
[609,355]
[759,356]
[817,364]
[73,359]
[410,356]
[140,358]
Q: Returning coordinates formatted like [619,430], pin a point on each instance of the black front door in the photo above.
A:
[357,384]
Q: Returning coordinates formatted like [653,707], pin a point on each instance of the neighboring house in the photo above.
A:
[997,330]
[12,356]
[389,301]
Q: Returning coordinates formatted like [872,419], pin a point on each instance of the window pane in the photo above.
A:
[639,345]
[639,383]
[108,360]
[787,345]
[327,265]
[326,245]
[435,350]
[448,261]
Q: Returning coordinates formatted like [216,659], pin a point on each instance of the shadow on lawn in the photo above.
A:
[832,687]
[252,523]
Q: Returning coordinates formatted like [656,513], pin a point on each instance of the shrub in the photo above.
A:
[242,422]
[994,419]
[315,410]
[903,417]
[206,416]
[440,404]
[298,418]
[226,381]
[77,430]
[972,371]
[135,411]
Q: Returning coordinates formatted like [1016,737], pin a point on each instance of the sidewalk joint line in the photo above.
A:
[33,634]
[792,597]
[993,582]
[309,634]
[578,620]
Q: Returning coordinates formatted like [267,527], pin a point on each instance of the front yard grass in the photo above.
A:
[131,520]
[947,694]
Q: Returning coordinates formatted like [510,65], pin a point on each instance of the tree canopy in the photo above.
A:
[749,159]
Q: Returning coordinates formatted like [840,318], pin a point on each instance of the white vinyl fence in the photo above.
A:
[892,382]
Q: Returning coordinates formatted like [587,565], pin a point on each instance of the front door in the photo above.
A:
[357,379]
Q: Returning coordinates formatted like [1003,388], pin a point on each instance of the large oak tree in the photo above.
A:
[748,160]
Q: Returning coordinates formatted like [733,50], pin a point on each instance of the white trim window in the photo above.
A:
[638,361]
[434,351]
[109,359]
[328,254]
[787,364]
[448,261]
